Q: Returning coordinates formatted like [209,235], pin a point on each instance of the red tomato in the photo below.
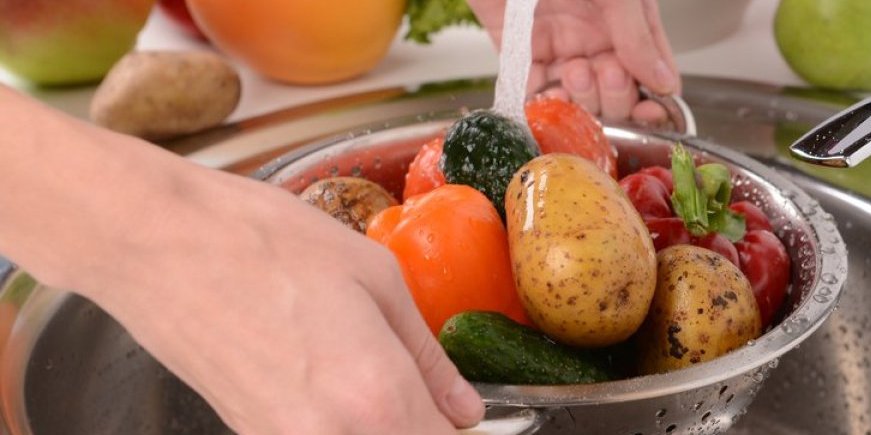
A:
[720,244]
[753,216]
[424,174]
[766,264]
[667,232]
[663,174]
[649,196]
[561,126]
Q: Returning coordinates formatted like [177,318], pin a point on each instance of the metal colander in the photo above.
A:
[705,399]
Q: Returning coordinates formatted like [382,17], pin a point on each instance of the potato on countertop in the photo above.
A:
[158,95]
[351,200]
[703,308]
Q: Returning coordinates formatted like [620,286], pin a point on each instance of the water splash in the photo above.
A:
[515,60]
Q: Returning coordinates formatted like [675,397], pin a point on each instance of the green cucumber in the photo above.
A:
[490,347]
[483,150]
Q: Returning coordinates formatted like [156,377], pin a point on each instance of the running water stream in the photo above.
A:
[515,60]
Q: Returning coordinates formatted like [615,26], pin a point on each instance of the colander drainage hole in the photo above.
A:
[723,390]
[661,413]
[705,417]
[670,428]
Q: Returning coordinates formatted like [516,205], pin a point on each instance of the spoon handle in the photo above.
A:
[841,141]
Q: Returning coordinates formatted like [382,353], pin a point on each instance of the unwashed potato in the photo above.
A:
[583,261]
[353,201]
[159,95]
[703,308]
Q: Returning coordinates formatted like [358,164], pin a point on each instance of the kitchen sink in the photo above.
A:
[69,368]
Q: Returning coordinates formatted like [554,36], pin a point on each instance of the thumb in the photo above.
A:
[640,43]
[453,395]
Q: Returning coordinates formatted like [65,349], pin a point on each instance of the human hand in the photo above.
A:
[598,51]
[282,319]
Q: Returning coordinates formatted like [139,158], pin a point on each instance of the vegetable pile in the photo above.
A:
[545,269]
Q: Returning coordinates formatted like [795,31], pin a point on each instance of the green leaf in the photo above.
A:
[730,224]
[716,181]
[426,17]
[702,196]
[689,203]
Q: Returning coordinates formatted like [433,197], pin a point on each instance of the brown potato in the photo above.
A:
[703,308]
[159,95]
[583,260]
[351,200]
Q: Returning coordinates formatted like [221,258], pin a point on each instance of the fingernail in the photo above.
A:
[579,81]
[465,402]
[664,76]
[615,80]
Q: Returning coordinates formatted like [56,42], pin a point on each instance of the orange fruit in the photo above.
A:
[302,41]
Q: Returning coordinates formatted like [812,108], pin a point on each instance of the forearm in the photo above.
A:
[71,194]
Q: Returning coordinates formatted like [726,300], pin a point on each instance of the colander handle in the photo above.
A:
[678,111]
[525,421]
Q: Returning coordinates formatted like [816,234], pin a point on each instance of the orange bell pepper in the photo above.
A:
[453,251]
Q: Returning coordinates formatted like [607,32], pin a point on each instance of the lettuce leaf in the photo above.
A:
[426,17]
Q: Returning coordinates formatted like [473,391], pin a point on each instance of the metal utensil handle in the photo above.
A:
[677,109]
[842,141]
[525,421]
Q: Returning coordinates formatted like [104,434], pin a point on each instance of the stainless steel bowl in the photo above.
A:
[66,367]
[706,398]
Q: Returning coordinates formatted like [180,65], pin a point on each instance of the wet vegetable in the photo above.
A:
[352,201]
[766,263]
[560,126]
[703,308]
[489,347]
[648,194]
[424,173]
[582,258]
[483,150]
[453,251]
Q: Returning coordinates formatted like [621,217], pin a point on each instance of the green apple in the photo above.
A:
[66,42]
[826,42]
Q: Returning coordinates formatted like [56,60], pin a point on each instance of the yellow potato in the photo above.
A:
[353,201]
[583,260]
[703,308]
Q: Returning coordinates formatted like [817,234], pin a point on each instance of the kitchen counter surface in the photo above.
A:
[749,53]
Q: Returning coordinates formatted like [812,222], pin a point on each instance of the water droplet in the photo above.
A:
[829,278]
[828,249]
[661,413]
[698,405]
[774,363]
[430,237]
[822,299]
[49,364]
[751,342]
[758,377]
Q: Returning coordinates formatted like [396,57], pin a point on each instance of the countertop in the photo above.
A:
[461,52]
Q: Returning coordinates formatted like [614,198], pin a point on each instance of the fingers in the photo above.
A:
[651,9]
[579,81]
[618,93]
[635,44]
[453,395]
[649,113]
